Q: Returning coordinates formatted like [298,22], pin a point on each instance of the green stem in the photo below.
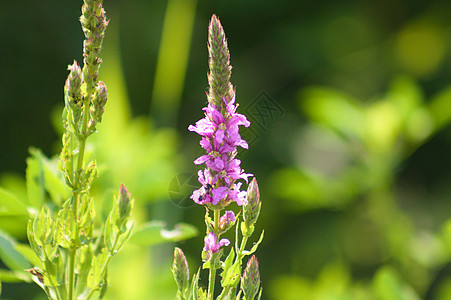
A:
[212,278]
[76,196]
[211,286]
[243,244]
[238,258]
[55,287]
[216,218]
[70,290]
[104,267]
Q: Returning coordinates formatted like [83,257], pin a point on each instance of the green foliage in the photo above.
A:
[12,258]
[155,232]
[365,144]
[71,248]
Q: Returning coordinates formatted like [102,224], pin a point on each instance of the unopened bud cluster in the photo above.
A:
[251,209]
[250,281]
[181,273]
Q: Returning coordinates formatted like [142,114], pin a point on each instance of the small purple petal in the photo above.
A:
[223,242]
[219,136]
[228,217]
[202,159]
[211,243]
[245,176]
[218,194]
[205,143]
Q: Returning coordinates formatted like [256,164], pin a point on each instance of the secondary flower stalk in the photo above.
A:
[74,254]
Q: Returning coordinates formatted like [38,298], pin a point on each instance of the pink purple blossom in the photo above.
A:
[211,243]
[220,138]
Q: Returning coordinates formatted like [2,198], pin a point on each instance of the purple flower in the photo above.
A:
[226,221]
[227,169]
[228,217]
[235,194]
[211,244]
[221,128]
[211,152]
[220,139]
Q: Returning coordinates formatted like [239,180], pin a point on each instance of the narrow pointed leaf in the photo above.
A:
[254,248]
[9,203]
[9,255]
[154,233]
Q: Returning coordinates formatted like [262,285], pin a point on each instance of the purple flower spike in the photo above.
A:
[219,129]
[211,244]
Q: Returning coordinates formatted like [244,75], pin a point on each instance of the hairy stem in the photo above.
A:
[76,197]
[70,290]
[212,278]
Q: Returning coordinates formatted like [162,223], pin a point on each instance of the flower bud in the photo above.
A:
[251,209]
[98,105]
[73,84]
[125,206]
[180,270]
[219,64]
[250,281]
[226,221]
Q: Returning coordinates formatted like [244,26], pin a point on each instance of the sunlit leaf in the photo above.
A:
[35,179]
[9,255]
[29,254]
[13,276]
[255,246]
[154,233]
[334,109]
[389,286]
[11,205]
[440,108]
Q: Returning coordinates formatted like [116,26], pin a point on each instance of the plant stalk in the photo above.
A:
[212,278]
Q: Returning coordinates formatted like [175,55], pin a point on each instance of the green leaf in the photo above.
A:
[13,276]
[440,108]
[9,255]
[232,277]
[333,109]
[95,274]
[388,285]
[206,265]
[29,254]
[35,179]
[42,176]
[227,264]
[194,286]
[84,267]
[9,203]
[260,294]
[254,248]
[154,233]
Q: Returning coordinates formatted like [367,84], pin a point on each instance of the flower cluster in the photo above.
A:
[220,139]
[220,178]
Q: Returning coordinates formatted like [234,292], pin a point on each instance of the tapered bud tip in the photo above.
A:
[253,191]
[251,278]
[180,269]
[251,209]
[74,79]
[125,202]
[214,22]
[102,93]
[124,193]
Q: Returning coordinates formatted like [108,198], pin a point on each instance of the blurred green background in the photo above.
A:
[350,104]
